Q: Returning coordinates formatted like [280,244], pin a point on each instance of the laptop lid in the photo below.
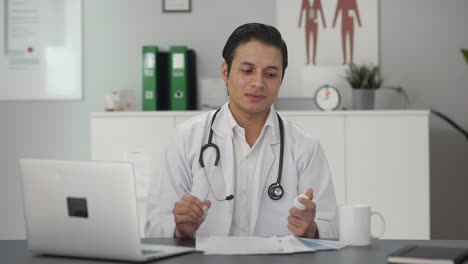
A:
[83,209]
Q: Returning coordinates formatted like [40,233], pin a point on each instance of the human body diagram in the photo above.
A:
[349,11]
[347,8]
[311,25]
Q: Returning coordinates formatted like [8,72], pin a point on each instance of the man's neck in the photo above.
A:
[251,123]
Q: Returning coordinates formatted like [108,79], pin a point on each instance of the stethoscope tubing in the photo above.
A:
[275,190]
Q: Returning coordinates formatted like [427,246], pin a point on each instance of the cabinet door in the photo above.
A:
[388,168]
[329,130]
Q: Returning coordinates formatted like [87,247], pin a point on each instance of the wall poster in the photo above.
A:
[323,37]
[40,49]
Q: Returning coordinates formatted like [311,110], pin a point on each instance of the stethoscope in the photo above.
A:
[275,191]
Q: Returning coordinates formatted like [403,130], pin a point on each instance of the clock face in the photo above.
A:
[327,98]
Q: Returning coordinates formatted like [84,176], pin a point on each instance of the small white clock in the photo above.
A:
[327,98]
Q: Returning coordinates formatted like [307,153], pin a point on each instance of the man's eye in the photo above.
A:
[247,71]
[272,75]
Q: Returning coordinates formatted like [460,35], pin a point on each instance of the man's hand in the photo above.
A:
[188,215]
[302,222]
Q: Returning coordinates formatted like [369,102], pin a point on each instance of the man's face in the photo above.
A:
[254,78]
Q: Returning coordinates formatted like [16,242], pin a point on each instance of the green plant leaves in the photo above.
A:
[364,76]
[465,53]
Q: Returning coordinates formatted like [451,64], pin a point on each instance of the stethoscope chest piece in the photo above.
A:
[275,191]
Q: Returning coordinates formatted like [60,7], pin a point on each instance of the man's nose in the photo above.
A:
[257,80]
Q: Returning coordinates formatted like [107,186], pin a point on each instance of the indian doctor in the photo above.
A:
[237,170]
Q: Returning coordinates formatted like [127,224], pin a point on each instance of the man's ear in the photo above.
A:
[224,72]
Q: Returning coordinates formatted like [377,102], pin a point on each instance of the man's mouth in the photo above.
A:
[255,95]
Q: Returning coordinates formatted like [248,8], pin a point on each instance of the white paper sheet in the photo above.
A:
[260,245]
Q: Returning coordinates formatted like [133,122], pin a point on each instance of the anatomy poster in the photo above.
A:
[324,36]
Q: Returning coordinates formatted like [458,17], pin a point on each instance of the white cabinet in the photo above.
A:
[379,158]
[387,166]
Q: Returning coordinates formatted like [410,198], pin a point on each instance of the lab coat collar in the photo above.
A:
[223,127]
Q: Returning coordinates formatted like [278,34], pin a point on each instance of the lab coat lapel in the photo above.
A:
[223,138]
[227,164]
[262,171]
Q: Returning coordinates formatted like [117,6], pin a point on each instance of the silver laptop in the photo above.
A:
[85,209]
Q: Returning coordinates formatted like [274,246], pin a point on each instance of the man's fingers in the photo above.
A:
[301,221]
[294,230]
[188,215]
[294,221]
[308,204]
[183,210]
[309,193]
[194,200]
[185,219]
[297,226]
[191,204]
[310,210]
[190,210]
[207,203]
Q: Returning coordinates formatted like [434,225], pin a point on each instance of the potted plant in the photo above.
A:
[365,80]
[465,53]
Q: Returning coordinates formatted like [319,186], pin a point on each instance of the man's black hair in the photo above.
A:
[254,31]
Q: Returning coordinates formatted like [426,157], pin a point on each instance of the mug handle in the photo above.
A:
[383,224]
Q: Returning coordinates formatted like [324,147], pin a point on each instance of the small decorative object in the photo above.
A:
[120,100]
[177,6]
[112,101]
[327,98]
[364,80]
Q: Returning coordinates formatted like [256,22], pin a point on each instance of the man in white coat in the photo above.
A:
[238,170]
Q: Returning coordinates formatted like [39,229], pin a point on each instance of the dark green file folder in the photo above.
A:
[178,78]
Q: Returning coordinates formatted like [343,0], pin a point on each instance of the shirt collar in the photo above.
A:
[269,122]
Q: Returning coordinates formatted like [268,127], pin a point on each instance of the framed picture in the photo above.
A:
[177,5]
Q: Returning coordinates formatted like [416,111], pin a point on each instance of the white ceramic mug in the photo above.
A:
[354,224]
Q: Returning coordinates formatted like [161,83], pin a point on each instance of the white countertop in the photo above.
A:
[286,113]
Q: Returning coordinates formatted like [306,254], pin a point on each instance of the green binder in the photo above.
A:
[178,80]
[150,78]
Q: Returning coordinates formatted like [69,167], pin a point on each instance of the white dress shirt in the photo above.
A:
[245,158]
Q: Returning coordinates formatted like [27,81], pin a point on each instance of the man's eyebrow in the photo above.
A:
[273,68]
[247,63]
[251,64]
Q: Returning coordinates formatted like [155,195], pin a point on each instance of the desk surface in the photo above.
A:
[15,251]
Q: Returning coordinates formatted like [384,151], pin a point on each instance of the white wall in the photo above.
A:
[420,41]
[420,50]
[114,31]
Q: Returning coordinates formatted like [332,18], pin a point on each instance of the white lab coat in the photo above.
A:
[304,165]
